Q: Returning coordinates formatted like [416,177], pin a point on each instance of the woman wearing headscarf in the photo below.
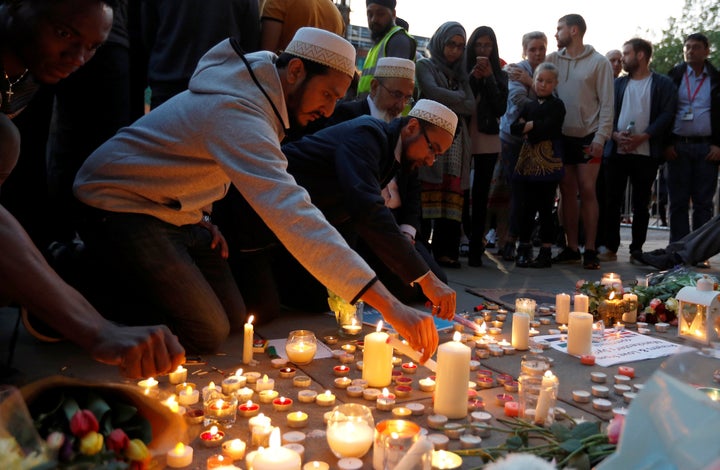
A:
[443,78]
[489,84]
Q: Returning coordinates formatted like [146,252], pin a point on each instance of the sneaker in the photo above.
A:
[607,256]
[661,259]
[490,238]
[543,260]
[524,256]
[567,256]
[590,260]
[475,260]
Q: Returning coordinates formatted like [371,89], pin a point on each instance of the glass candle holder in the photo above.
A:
[220,409]
[301,346]
[393,438]
[537,394]
[350,430]
[523,305]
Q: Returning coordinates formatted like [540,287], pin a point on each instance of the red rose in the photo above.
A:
[117,441]
[654,303]
[83,422]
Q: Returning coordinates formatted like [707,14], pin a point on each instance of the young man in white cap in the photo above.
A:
[345,167]
[147,190]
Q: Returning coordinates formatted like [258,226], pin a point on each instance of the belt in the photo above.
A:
[691,139]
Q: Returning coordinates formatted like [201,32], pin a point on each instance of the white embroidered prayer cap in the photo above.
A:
[435,113]
[395,67]
[325,48]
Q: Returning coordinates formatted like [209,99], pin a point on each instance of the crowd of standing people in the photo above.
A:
[266,152]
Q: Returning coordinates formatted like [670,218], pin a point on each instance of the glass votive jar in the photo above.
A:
[220,409]
[537,393]
[301,346]
[350,430]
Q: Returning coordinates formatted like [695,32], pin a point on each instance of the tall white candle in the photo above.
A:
[562,308]
[276,457]
[248,341]
[520,330]
[546,398]
[377,359]
[631,315]
[580,333]
[453,373]
[581,303]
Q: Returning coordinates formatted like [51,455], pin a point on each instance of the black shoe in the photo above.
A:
[447,262]
[590,260]
[543,260]
[475,260]
[636,257]
[567,256]
[508,252]
[524,256]
[661,259]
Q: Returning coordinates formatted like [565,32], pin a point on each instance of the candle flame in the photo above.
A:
[385,392]
[411,365]
[612,295]
[327,393]
[188,390]
[180,369]
[249,403]
[213,430]
[179,448]
[211,385]
[457,336]
[265,378]
[483,328]
[275,438]
[379,326]
[250,319]
[238,372]
[549,374]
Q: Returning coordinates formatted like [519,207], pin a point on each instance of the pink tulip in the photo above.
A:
[614,428]
[83,422]
[117,441]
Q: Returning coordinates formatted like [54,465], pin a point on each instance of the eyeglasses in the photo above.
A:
[431,148]
[483,45]
[455,45]
[397,94]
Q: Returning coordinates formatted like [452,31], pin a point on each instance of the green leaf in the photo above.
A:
[514,442]
[122,412]
[70,407]
[585,429]
[579,461]
[571,445]
[560,432]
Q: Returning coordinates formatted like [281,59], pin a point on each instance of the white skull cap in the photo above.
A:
[435,113]
[395,67]
[325,48]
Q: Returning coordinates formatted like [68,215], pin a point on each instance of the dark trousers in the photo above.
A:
[484,164]
[540,199]
[642,171]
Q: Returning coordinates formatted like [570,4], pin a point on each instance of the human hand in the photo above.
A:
[139,351]
[218,239]
[595,150]
[443,298]
[482,68]
[417,328]
[714,153]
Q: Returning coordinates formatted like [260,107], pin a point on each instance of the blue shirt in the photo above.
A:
[698,104]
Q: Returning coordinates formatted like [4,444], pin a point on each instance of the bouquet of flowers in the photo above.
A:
[597,292]
[344,311]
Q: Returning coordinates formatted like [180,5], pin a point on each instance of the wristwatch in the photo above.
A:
[206,218]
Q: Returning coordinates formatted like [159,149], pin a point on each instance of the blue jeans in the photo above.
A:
[690,178]
[170,272]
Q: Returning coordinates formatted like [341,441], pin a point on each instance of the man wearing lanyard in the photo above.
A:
[694,153]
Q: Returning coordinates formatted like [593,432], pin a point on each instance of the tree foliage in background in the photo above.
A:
[698,16]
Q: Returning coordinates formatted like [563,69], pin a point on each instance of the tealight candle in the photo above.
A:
[219,462]
[601,404]
[350,463]
[512,409]
[264,384]
[401,412]
[598,377]
[244,394]
[194,416]
[621,389]
[276,457]
[342,382]
[355,391]
[474,365]
[212,437]
[252,377]
[287,372]
[278,363]
[341,370]
[476,404]
[307,396]
[409,368]
[600,391]
[316,465]
[439,441]
[325,399]
[260,420]
[402,391]
[211,388]
[587,359]
[454,430]
[437,421]
[330,339]
[301,381]
[149,386]
[188,396]
[371,394]
[480,417]
[178,376]
[469,441]
[417,409]
[173,404]
[360,383]
[502,398]
[626,371]
[179,456]
[260,435]
[407,381]
[248,409]
[297,419]
[623,379]
[232,384]
[234,449]
[347,358]
[267,396]
[581,396]
[348,348]
[282,404]
[293,437]
[427,384]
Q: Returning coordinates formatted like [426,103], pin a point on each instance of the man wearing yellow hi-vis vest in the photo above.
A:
[390,40]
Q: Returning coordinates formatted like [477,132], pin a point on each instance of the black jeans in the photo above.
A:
[642,171]
[540,199]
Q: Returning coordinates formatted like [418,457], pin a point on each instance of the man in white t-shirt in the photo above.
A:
[644,110]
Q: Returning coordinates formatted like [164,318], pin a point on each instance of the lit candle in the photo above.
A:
[343,382]
[316,465]
[546,400]
[409,368]
[260,435]
[562,308]
[377,358]
[352,329]
[212,437]
[234,449]
[267,396]
[148,384]
[580,334]
[211,388]
[297,419]
[526,306]
[581,303]
[276,457]
[287,372]
[264,384]
[248,341]
[179,456]
[609,280]
[631,300]
[341,370]
[350,438]
[233,383]
[520,330]
[325,399]
[401,412]
[178,376]
[301,352]
[452,378]
[512,409]
[260,420]
[244,394]
[442,459]
[386,401]
[248,409]
[222,409]
[282,404]
[174,406]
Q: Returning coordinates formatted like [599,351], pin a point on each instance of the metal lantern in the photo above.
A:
[699,312]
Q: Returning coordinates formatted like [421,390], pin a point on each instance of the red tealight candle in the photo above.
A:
[402,390]
[248,409]
[282,403]
[404,381]
[476,404]
[409,368]
[512,409]
[502,398]
[341,371]
[484,373]
[626,371]
[395,374]
[587,359]
[502,378]
[212,437]
[485,382]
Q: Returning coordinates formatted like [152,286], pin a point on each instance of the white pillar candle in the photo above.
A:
[377,359]
[581,303]
[520,331]
[452,378]
[276,457]
[352,438]
[630,316]
[248,341]
[546,399]
[562,308]
[580,333]
[180,456]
